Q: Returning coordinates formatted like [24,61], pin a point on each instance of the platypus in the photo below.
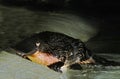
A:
[56,50]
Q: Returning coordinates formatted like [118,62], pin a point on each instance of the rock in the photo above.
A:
[15,67]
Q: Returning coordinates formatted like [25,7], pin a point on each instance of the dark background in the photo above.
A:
[106,12]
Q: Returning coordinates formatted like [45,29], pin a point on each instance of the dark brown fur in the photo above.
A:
[58,44]
[62,47]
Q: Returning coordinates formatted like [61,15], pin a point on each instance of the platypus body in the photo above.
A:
[56,50]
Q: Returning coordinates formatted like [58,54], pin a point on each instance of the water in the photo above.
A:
[17,23]
[99,72]
[93,74]
[15,67]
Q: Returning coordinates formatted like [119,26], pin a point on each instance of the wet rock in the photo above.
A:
[15,67]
